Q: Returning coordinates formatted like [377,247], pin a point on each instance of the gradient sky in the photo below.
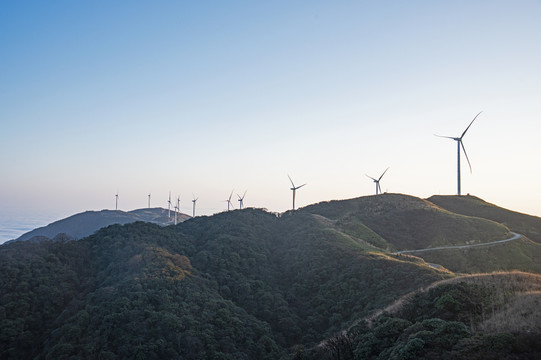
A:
[202,97]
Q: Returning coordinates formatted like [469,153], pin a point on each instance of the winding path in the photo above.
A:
[514,237]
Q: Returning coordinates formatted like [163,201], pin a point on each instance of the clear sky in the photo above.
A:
[202,97]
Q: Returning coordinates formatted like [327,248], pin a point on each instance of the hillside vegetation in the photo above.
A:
[238,285]
[486,316]
[249,284]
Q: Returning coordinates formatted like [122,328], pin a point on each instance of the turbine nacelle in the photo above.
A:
[241,199]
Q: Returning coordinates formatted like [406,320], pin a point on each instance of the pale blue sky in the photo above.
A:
[206,96]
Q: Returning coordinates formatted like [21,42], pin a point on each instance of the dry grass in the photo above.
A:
[510,286]
[522,314]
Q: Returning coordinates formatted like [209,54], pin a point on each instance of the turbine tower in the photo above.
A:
[149,200]
[194,201]
[378,187]
[459,144]
[294,189]
[241,200]
[177,208]
[229,200]
[169,206]
[116,202]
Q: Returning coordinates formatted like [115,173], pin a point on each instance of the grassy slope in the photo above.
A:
[522,254]
[473,206]
[398,222]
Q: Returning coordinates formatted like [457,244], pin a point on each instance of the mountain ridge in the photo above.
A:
[86,223]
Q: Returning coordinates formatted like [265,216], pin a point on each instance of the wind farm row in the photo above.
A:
[377,181]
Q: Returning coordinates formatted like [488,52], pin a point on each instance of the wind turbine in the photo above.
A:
[177,208]
[116,203]
[229,200]
[194,201]
[461,144]
[169,206]
[294,189]
[378,187]
[241,199]
[149,200]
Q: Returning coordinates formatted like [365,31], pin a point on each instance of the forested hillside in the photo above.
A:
[245,284]
[490,316]
[238,285]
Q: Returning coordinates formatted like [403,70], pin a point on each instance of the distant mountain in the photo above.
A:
[83,224]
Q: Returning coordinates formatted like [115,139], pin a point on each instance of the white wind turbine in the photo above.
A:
[459,145]
[229,203]
[241,200]
[378,187]
[169,206]
[177,208]
[149,200]
[116,202]
[194,201]
[294,189]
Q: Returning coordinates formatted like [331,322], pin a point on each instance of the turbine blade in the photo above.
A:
[447,137]
[383,174]
[464,133]
[465,153]
[290,180]
[298,187]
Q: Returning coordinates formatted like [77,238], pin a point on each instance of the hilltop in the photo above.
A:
[402,222]
[397,222]
[84,224]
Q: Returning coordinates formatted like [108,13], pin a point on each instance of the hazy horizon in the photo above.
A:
[202,98]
